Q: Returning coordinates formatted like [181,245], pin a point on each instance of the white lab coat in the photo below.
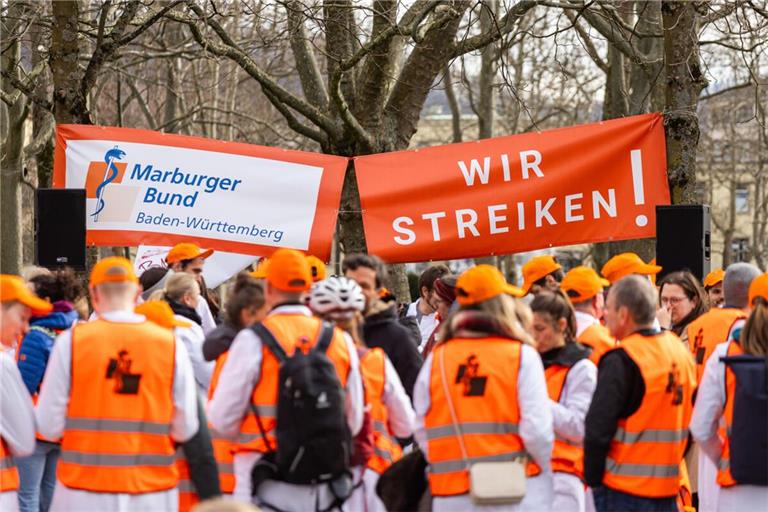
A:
[229,405]
[535,430]
[51,414]
[568,421]
[401,422]
[17,418]
[193,339]
[427,323]
[208,322]
[707,414]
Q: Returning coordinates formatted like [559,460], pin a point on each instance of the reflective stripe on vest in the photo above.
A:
[117,431]
[567,456]
[472,428]
[9,476]
[645,453]
[452,466]
[651,436]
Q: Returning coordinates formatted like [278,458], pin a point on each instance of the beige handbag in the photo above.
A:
[490,483]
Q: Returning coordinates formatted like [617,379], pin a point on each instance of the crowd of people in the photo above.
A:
[579,391]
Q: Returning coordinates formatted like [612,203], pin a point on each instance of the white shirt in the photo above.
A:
[17,418]
[710,401]
[51,411]
[427,323]
[401,418]
[193,339]
[242,372]
[535,429]
[206,316]
[584,320]
[569,412]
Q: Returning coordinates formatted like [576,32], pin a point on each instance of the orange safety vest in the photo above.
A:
[291,331]
[724,477]
[9,477]
[117,433]
[386,449]
[708,331]
[482,378]
[223,449]
[567,456]
[599,339]
[645,453]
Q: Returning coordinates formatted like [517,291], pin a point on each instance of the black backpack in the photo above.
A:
[314,443]
[749,432]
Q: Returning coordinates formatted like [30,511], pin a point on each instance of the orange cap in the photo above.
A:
[714,277]
[317,267]
[625,264]
[289,271]
[159,312]
[481,283]
[758,288]
[584,282]
[113,270]
[186,251]
[261,269]
[536,268]
[13,288]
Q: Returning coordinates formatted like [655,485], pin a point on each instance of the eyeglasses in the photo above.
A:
[672,301]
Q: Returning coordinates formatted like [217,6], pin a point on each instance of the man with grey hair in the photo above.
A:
[644,395]
[713,327]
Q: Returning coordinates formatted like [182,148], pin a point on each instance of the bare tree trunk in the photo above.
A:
[12,161]
[453,103]
[647,80]
[685,81]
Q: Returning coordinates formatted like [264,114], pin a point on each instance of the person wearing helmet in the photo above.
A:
[341,300]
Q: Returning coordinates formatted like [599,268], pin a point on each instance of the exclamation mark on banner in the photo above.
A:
[637,184]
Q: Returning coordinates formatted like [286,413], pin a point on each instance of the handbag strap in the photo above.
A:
[454,418]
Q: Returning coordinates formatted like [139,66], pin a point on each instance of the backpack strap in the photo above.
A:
[324,337]
[269,340]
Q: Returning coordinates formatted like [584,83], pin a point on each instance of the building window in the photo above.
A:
[740,249]
[741,198]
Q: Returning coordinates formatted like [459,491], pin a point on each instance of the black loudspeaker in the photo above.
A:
[60,228]
[683,239]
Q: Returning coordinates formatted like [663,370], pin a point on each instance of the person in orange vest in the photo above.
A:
[341,300]
[584,287]
[571,379]
[244,307]
[189,258]
[198,474]
[636,429]
[482,396]
[713,286]
[244,405]
[712,425]
[626,264]
[17,419]
[118,392]
[541,273]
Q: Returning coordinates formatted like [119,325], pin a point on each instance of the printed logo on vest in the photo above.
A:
[698,341]
[469,376]
[674,386]
[119,369]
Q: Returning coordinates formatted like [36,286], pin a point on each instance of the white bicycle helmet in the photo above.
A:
[337,298]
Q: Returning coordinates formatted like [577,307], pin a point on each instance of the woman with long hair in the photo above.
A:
[37,472]
[571,380]
[682,301]
[341,300]
[741,478]
[481,396]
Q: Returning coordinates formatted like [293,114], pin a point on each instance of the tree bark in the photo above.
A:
[684,83]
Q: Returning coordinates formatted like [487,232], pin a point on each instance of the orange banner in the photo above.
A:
[145,187]
[582,184]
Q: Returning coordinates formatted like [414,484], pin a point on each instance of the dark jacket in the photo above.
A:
[382,329]
[198,451]
[35,347]
[218,341]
